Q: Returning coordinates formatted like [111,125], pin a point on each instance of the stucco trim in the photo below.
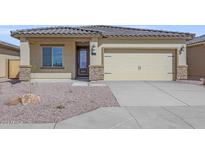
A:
[146,46]
[196,44]
[50,75]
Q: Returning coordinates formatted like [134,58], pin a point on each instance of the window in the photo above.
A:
[53,56]
[83,59]
[47,56]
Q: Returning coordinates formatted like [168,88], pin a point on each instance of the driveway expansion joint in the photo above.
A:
[120,123]
[177,116]
[165,92]
[133,117]
[54,127]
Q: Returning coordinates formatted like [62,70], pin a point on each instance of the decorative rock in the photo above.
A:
[30,98]
[14,102]
[25,99]
[202,81]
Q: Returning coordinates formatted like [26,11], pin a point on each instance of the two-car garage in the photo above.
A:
[139,64]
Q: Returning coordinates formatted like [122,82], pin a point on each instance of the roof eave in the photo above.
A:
[9,46]
[152,37]
[195,44]
[18,36]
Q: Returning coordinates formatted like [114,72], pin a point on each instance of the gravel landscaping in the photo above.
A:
[59,101]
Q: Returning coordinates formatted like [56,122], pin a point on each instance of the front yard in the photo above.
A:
[59,101]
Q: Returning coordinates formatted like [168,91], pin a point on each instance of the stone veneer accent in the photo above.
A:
[25,73]
[96,72]
[182,72]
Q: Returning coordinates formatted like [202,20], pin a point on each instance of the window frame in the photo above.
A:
[62,47]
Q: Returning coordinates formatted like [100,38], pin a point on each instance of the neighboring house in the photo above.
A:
[102,52]
[8,52]
[196,57]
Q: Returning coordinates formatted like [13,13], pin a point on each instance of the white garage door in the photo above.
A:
[138,65]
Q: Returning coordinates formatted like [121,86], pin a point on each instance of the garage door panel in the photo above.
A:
[138,58]
[138,66]
[141,77]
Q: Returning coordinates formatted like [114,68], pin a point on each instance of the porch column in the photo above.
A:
[96,71]
[93,51]
[25,67]
[182,68]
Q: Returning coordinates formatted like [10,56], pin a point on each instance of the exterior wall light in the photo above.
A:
[181,50]
[93,50]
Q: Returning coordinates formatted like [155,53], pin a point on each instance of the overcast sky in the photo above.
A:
[198,30]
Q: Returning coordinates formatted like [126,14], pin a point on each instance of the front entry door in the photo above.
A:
[82,61]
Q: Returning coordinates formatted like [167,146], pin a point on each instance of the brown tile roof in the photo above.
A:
[101,30]
[59,30]
[8,45]
[136,32]
[196,40]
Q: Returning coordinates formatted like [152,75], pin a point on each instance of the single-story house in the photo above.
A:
[9,54]
[196,57]
[102,53]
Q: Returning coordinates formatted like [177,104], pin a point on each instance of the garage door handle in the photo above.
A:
[107,73]
[108,56]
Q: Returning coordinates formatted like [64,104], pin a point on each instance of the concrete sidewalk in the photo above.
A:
[180,117]
[28,126]
[103,118]
[183,117]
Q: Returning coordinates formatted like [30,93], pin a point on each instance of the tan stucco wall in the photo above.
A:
[69,56]
[69,53]
[6,54]
[196,61]
[25,53]
[138,41]
[106,43]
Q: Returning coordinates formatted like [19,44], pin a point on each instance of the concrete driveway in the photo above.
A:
[147,105]
[157,93]
[139,117]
